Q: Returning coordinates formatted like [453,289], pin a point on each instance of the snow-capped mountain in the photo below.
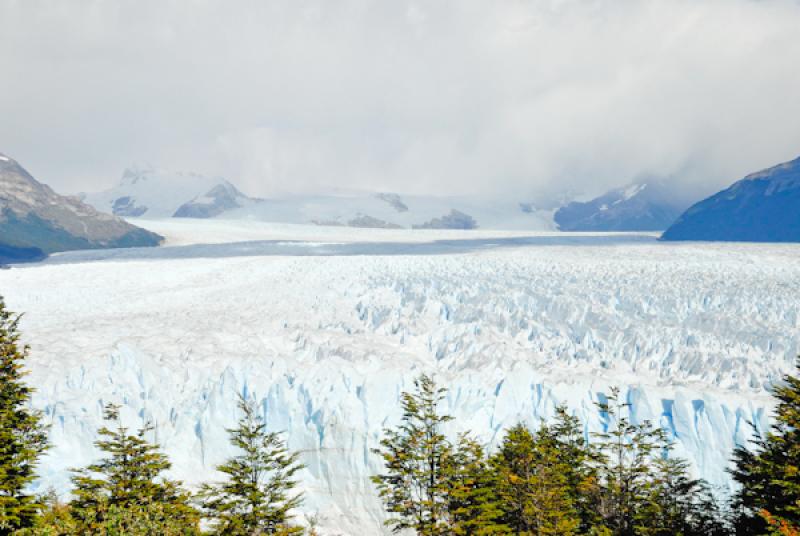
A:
[762,207]
[641,206]
[34,220]
[145,191]
[394,211]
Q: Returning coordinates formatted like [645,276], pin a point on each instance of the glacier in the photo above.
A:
[326,339]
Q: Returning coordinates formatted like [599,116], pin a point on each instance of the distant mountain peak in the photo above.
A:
[644,205]
[147,191]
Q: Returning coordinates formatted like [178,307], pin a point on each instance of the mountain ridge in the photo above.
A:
[36,221]
[762,207]
[639,206]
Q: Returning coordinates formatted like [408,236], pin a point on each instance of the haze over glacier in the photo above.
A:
[693,333]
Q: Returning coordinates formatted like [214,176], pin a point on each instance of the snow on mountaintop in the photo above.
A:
[631,191]
[147,191]
[693,334]
[394,210]
[642,206]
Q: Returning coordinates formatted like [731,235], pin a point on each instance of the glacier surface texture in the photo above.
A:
[693,334]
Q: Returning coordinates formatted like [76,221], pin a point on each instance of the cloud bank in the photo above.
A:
[510,98]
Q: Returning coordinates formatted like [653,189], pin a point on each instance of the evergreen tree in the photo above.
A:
[579,460]
[532,484]
[473,506]
[259,493]
[417,456]
[627,456]
[126,489]
[55,518]
[769,475]
[23,438]
[677,504]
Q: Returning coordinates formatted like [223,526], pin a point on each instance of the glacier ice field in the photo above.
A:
[325,333]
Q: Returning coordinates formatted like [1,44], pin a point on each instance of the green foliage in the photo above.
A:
[473,506]
[55,518]
[627,451]
[677,504]
[417,457]
[769,497]
[533,483]
[579,461]
[150,519]
[23,438]
[548,482]
[126,491]
[258,495]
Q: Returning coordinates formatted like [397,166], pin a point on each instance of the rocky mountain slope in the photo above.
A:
[642,206]
[762,207]
[34,220]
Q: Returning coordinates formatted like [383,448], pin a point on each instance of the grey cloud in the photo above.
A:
[509,97]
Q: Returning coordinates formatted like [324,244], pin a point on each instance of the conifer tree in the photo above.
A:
[628,451]
[417,456]
[473,507]
[126,489]
[258,495]
[532,484]
[769,475]
[23,438]
[578,458]
[677,504]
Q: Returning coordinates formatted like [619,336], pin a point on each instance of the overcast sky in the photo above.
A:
[459,97]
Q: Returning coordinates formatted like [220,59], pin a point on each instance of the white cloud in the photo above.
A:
[512,97]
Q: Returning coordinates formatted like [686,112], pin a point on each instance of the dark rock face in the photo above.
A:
[762,207]
[34,220]
[368,222]
[394,200]
[126,207]
[454,220]
[222,197]
[637,207]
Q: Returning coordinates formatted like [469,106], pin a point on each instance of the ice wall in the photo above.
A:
[692,333]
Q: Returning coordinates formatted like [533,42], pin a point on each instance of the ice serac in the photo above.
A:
[762,207]
[34,220]
[694,335]
[641,206]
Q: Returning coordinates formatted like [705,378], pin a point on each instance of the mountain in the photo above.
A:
[762,207]
[641,206]
[394,211]
[145,191]
[34,220]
